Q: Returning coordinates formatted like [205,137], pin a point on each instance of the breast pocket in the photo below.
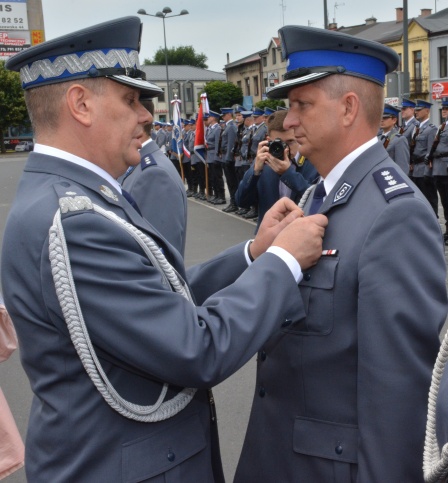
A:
[164,452]
[317,290]
[332,446]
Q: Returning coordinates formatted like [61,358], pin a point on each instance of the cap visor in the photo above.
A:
[281,90]
[148,90]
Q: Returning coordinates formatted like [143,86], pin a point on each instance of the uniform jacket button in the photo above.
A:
[307,276]
[287,323]
[338,450]
[263,355]
[171,456]
[262,392]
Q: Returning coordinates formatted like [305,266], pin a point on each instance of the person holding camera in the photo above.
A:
[278,170]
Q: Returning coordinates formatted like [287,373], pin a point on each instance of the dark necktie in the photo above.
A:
[131,201]
[318,198]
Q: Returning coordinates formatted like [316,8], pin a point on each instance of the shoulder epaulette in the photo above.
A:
[390,183]
[147,161]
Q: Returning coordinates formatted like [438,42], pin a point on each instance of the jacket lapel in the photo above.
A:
[352,177]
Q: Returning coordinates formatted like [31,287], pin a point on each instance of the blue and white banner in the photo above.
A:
[176,142]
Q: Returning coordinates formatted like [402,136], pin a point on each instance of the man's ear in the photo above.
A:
[79,103]
[351,108]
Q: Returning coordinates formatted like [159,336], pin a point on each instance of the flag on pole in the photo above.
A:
[199,140]
[185,142]
[176,142]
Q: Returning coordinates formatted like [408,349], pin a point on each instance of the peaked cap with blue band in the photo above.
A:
[226,110]
[109,49]
[407,103]
[390,110]
[422,104]
[444,102]
[257,112]
[314,53]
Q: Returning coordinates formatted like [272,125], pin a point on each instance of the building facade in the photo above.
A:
[185,81]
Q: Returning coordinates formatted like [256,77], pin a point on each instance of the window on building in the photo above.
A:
[265,61]
[188,94]
[274,56]
[238,83]
[161,98]
[247,83]
[265,81]
[256,89]
[417,57]
[443,67]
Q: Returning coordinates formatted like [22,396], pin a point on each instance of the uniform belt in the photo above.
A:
[441,155]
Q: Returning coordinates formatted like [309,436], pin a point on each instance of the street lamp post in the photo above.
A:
[163,15]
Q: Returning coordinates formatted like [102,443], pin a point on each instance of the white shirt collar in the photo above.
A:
[59,153]
[149,140]
[335,174]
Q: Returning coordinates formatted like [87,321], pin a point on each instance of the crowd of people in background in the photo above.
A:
[234,135]
[420,148]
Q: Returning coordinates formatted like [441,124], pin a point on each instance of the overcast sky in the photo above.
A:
[217,28]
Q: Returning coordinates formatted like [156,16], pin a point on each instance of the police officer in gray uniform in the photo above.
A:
[395,144]
[156,179]
[197,166]
[438,158]
[161,136]
[229,137]
[212,136]
[409,123]
[341,395]
[423,138]
[258,134]
[110,338]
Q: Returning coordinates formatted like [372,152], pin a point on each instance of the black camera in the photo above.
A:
[277,148]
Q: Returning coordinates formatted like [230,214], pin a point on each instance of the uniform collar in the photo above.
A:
[336,173]
[59,153]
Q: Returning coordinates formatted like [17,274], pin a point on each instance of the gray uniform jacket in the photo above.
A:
[228,142]
[245,141]
[193,157]
[398,149]
[142,331]
[423,143]
[161,137]
[156,179]
[212,142]
[259,135]
[408,129]
[440,159]
[341,396]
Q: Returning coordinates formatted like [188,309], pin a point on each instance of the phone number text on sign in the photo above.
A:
[13,15]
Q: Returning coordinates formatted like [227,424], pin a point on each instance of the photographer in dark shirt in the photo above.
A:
[277,171]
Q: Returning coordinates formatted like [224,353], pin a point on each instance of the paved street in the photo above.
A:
[209,231]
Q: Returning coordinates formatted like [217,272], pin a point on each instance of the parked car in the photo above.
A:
[24,146]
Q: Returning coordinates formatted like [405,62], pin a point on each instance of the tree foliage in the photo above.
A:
[222,94]
[272,103]
[12,103]
[182,55]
